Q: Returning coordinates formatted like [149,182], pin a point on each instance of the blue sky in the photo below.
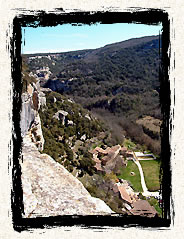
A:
[66,37]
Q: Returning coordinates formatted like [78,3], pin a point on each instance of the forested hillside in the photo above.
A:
[119,83]
[102,106]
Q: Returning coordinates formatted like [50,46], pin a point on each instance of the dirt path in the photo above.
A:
[143,183]
[145,193]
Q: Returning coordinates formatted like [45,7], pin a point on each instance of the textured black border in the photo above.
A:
[41,18]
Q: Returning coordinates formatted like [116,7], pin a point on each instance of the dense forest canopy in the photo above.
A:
[119,83]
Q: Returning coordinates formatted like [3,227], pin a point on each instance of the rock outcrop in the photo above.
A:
[61,115]
[32,100]
[36,133]
[28,113]
[50,190]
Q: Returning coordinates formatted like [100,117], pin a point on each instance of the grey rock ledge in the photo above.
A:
[50,190]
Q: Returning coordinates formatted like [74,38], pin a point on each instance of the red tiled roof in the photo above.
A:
[115,148]
[98,167]
[100,150]
[123,148]
[97,160]
[93,151]
[143,208]
[106,158]
[124,194]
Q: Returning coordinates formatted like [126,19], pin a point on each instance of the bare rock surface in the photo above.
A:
[37,136]
[32,100]
[50,190]
[28,113]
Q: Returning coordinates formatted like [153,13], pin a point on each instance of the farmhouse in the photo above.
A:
[143,208]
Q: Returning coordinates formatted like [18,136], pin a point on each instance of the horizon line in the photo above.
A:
[67,51]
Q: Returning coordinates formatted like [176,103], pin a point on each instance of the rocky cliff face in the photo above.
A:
[48,188]
[32,100]
[27,114]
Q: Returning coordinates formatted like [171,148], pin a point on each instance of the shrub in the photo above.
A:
[70,168]
[110,176]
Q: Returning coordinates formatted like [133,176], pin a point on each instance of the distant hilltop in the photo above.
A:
[123,44]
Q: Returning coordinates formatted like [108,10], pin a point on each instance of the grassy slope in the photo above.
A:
[151,173]
[134,180]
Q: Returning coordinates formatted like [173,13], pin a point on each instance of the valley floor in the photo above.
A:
[141,171]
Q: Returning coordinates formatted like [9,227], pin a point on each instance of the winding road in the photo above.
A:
[145,190]
[145,193]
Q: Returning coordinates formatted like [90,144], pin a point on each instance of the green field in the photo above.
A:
[135,180]
[151,174]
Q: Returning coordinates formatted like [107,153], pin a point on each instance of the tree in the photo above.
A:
[87,165]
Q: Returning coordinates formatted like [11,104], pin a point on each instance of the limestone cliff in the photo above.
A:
[27,114]
[32,100]
[50,190]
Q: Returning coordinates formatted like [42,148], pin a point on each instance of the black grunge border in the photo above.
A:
[41,18]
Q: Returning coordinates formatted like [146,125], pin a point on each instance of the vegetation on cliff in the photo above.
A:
[26,78]
[61,137]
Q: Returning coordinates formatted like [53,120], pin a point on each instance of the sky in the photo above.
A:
[63,38]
